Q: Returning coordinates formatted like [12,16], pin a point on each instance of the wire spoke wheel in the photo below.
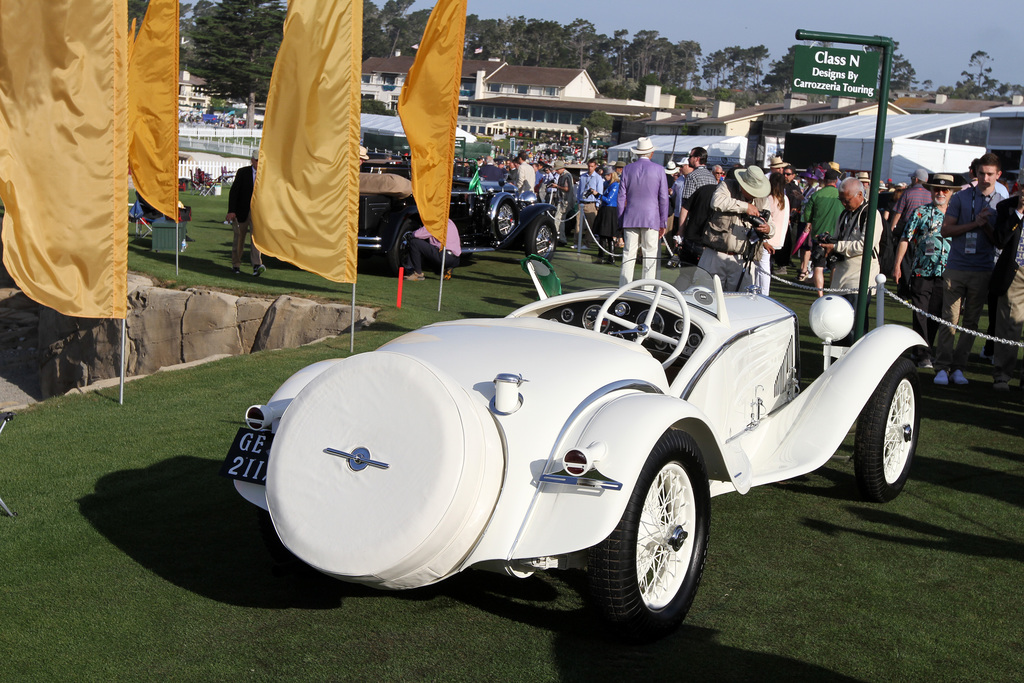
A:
[504,219]
[901,418]
[668,514]
[644,576]
[887,432]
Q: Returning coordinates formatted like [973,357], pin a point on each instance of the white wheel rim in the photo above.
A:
[669,505]
[898,425]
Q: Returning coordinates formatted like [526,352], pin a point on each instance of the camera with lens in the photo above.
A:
[754,235]
[820,255]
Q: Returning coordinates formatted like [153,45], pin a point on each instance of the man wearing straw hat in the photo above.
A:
[734,202]
[643,211]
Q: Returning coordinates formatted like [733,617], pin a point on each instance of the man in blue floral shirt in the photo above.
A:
[931,251]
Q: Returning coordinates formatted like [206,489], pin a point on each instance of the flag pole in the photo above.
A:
[440,284]
[352,323]
[120,398]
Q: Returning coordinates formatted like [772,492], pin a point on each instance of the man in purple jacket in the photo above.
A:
[643,211]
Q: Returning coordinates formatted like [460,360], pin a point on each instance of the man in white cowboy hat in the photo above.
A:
[643,211]
[778,165]
[734,203]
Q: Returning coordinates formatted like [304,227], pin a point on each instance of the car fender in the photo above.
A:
[567,518]
[526,216]
[811,427]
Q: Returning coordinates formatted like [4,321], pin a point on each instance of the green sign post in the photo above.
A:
[832,71]
[887,46]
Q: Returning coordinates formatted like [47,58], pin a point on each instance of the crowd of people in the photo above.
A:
[951,243]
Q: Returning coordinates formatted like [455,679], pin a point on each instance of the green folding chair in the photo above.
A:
[543,275]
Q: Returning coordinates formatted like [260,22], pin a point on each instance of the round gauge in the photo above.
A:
[693,340]
[679,326]
[589,316]
[567,315]
[658,325]
[621,309]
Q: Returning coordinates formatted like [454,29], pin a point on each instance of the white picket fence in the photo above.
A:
[215,169]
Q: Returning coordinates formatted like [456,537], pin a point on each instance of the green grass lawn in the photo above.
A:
[131,559]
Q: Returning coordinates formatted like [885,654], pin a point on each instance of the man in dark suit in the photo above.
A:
[239,199]
[1008,283]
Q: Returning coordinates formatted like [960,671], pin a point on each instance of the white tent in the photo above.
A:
[935,142]
[392,125]
[722,150]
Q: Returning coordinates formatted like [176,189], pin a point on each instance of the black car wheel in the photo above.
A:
[398,250]
[644,576]
[887,432]
[539,238]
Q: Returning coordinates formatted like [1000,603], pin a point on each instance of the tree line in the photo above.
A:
[232,44]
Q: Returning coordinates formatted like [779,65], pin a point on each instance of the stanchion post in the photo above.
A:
[880,303]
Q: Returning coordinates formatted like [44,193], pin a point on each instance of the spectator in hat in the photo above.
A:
[607,228]
[727,250]
[912,198]
[922,239]
[865,178]
[969,222]
[239,201]
[777,165]
[643,211]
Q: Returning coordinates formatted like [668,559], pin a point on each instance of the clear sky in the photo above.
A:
[938,37]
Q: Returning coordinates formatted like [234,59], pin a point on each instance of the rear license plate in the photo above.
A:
[248,456]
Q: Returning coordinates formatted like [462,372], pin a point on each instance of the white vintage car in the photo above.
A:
[586,430]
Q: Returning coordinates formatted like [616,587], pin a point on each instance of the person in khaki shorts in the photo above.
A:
[969,223]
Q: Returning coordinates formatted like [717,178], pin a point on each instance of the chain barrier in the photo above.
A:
[946,323]
[894,297]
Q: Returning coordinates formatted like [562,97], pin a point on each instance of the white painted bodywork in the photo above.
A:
[737,395]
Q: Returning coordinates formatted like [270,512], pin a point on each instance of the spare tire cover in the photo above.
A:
[405,526]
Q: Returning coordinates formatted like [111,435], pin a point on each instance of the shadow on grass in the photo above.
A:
[587,648]
[967,478]
[182,522]
[939,538]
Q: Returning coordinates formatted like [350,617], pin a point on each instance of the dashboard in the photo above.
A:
[584,313]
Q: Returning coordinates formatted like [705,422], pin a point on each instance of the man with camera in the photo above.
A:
[844,249]
[736,228]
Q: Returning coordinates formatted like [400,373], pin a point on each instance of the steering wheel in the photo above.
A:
[643,329]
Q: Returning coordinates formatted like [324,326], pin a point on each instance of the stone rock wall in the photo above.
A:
[167,327]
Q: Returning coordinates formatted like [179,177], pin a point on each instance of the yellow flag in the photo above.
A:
[305,206]
[64,152]
[429,108]
[153,107]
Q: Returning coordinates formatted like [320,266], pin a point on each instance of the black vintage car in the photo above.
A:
[499,218]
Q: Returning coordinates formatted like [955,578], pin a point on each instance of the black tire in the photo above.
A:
[887,431]
[615,583]
[504,219]
[539,238]
[398,250]
[284,562]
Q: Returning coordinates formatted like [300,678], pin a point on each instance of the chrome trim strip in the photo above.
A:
[585,482]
